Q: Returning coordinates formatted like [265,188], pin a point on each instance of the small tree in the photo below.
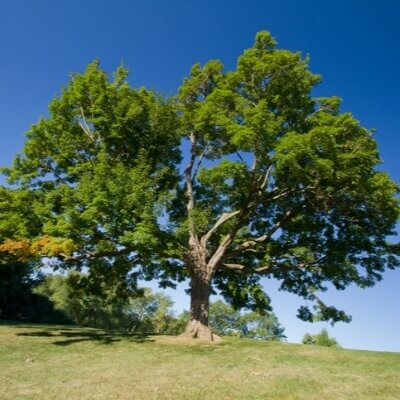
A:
[261,327]
[225,320]
[320,339]
[152,312]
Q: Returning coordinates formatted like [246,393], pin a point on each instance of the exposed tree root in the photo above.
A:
[197,330]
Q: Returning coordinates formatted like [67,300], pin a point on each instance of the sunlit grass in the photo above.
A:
[48,362]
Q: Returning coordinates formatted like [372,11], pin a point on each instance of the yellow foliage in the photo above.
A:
[44,246]
[51,246]
[18,248]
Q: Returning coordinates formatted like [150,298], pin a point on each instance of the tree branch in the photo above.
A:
[189,190]
[202,155]
[239,156]
[246,269]
[266,177]
[285,192]
[224,218]
[250,244]
[217,257]
[266,269]
[188,175]
[286,217]
[312,263]
[248,206]
[254,164]
[91,255]
[85,126]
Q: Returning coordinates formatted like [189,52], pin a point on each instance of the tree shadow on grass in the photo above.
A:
[67,336]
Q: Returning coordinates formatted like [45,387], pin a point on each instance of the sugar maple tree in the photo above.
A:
[274,183]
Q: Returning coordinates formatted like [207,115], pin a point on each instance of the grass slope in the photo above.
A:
[59,362]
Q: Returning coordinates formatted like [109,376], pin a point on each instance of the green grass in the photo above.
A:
[60,362]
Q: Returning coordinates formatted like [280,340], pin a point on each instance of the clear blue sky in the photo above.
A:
[354,44]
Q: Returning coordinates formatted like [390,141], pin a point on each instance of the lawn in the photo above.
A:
[61,362]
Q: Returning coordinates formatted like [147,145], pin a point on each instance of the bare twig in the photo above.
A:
[311,263]
[239,156]
[199,162]
[254,164]
[266,177]
[85,126]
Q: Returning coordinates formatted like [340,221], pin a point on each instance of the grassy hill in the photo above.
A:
[60,362]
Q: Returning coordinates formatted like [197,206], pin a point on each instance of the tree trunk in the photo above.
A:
[197,327]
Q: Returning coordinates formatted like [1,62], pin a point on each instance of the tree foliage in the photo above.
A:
[280,184]
[93,178]
[102,306]
[275,183]
[320,339]
[225,320]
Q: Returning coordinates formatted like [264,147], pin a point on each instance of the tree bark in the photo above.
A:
[197,327]
[197,258]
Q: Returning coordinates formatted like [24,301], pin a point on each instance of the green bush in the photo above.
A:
[320,339]
[225,320]
[107,307]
